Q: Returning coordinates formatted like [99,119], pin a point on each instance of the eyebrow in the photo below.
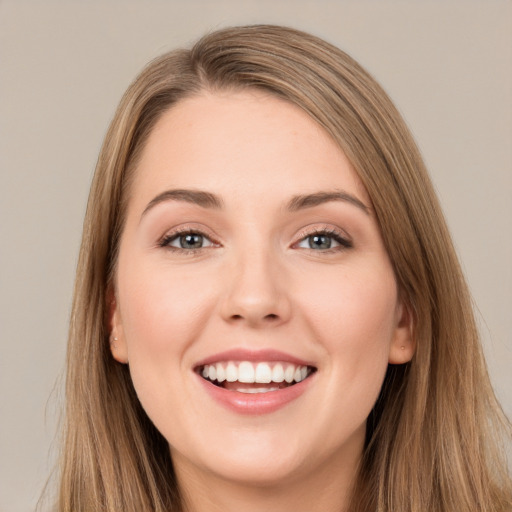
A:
[197,197]
[299,202]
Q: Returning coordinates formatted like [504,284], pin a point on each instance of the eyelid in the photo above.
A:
[183,229]
[341,236]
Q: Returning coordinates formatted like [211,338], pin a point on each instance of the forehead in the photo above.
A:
[244,142]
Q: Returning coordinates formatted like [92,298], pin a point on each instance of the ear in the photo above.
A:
[117,340]
[403,344]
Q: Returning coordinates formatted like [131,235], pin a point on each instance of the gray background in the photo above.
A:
[63,68]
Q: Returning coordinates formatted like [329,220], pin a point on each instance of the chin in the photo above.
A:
[256,461]
[258,473]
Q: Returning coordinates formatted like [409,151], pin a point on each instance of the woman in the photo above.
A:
[269,313]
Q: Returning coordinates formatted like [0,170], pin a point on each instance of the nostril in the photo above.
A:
[270,316]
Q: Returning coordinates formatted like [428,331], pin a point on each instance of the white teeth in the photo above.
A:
[278,373]
[257,390]
[263,374]
[231,372]
[250,373]
[289,374]
[221,373]
[245,372]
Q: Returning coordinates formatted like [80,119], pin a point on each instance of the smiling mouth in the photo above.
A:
[249,377]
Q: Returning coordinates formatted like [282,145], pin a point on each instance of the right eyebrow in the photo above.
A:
[197,197]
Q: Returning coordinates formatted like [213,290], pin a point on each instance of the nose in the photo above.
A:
[256,293]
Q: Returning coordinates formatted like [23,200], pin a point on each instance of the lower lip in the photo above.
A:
[255,403]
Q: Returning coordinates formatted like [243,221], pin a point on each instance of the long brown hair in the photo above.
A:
[433,438]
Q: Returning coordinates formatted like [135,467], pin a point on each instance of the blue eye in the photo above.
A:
[320,242]
[190,240]
[323,241]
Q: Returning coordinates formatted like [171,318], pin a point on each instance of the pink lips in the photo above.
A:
[257,403]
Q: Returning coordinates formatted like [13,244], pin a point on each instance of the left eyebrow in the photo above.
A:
[309,200]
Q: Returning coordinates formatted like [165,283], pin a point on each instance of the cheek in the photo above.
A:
[163,312]
[354,308]
[354,321]
[162,309]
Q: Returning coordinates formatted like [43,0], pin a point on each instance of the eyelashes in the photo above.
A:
[187,240]
[324,240]
[194,241]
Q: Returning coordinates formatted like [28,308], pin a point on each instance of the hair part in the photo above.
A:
[433,436]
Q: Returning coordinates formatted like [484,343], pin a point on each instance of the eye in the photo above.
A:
[188,241]
[323,241]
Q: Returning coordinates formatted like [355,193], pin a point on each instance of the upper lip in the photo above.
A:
[256,356]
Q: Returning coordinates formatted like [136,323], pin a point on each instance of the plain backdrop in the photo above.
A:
[63,68]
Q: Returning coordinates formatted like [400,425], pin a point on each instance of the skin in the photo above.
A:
[257,284]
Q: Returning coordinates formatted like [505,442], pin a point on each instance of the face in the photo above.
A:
[255,303]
